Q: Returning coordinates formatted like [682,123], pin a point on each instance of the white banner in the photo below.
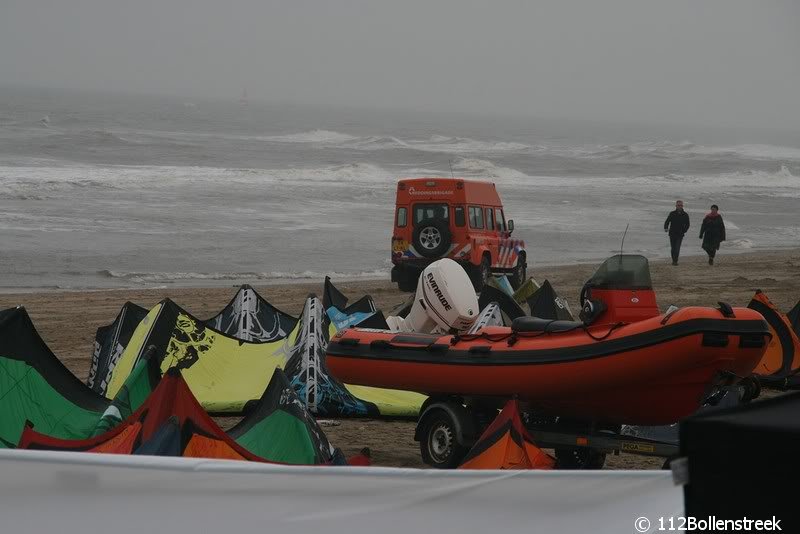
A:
[66,493]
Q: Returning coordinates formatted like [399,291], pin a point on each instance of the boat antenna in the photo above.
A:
[450,161]
[622,245]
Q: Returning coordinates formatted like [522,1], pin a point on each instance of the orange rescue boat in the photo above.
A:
[655,371]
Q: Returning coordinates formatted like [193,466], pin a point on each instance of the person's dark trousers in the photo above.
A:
[675,245]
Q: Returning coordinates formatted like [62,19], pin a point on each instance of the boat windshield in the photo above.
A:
[623,271]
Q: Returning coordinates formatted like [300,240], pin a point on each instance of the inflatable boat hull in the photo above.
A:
[651,372]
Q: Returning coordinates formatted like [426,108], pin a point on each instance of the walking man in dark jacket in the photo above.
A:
[677,224]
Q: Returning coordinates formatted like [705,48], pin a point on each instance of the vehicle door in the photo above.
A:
[480,236]
[508,252]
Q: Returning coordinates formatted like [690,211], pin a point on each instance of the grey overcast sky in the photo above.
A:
[721,62]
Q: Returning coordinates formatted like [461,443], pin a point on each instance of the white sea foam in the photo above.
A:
[457,145]
[739,243]
[313,136]
[465,145]
[485,169]
[38,182]
[669,150]
[765,152]
[435,143]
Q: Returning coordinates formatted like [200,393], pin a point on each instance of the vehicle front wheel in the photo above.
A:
[518,275]
[481,273]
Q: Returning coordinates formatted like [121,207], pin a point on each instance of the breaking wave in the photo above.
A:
[435,143]
[480,168]
[312,136]
[670,150]
[465,145]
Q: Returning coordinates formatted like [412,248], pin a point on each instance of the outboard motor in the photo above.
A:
[619,291]
[445,301]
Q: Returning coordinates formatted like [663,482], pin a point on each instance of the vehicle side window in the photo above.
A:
[458,213]
[476,217]
[402,217]
[490,219]
[501,220]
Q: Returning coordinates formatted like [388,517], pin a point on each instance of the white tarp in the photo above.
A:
[65,493]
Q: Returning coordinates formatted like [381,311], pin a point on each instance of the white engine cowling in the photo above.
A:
[445,301]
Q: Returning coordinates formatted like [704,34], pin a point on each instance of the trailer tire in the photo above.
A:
[438,442]
[749,389]
[579,458]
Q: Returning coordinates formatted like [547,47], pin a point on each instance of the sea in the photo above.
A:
[104,190]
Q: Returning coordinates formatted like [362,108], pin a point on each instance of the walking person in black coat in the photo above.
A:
[677,224]
[712,232]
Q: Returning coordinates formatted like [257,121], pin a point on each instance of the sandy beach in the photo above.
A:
[67,320]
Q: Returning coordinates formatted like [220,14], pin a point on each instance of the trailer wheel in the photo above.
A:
[749,389]
[439,445]
[579,458]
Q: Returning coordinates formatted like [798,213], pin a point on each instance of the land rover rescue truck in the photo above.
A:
[458,219]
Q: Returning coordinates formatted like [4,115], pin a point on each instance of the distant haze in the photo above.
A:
[701,62]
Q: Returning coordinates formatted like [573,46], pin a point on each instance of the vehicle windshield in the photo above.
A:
[623,271]
[430,211]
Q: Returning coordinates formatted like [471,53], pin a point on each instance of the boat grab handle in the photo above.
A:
[382,344]
[726,310]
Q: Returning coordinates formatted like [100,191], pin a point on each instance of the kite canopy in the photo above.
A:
[278,429]
[247,317]
[35,386]
[546,304]
[362,313]
[227,374]
[109,343]
[507,445]
[781,362]
[508,306]
[322,393]
[223,372]
[501,282]
[525,290]
[489,316]
[794,318]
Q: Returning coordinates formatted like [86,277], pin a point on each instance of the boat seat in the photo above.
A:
[537,324]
